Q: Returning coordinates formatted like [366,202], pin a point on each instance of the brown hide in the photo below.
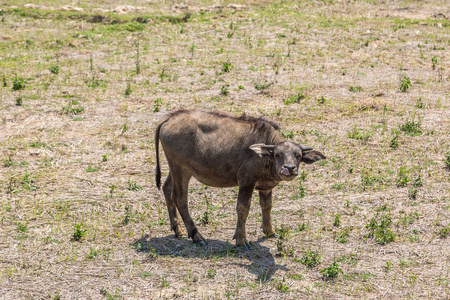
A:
[224,151]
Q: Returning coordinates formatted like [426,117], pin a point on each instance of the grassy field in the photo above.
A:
[82,89]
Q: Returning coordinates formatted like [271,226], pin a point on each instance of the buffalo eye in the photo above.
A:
[298,155]
[278,155]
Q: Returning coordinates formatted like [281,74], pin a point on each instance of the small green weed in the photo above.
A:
[133,186]
[263,86]
[283,232]
[55,69]
[355,89]
[157,105]
[128,214]
[281,286]
[79,233]
[359,134]
[19,101]
[434,62]
[224,90]
[128,90]
[393,144]
[337,220]
[402,177]
[226,67]
[417,182]
[295,99]
[332,271]
[72,108]
[22,227]
[18,84]
[91,169]
[387,266]
[447,160]
[411,128]
[321,100]
[288,134]
[210,274]
[419,103]
[444,232]
[409,219]
[92,254]
[379,229]
[405,84]
[343,235]
[310,258]
[412,193]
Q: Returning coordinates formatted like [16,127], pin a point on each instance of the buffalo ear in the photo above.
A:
[262,150]
[312,156]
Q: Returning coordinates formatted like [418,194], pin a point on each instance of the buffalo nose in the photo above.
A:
[289,167]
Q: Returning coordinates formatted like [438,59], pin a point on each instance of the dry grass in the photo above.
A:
[75,149]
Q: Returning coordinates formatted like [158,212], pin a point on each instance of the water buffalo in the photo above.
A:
[225,151]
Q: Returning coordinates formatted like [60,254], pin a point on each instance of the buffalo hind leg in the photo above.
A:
[242,209]
[265,201]
[180,182]
[175,225]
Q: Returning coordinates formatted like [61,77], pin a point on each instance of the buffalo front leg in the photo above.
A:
[172,208]
[265,200]
[242,209]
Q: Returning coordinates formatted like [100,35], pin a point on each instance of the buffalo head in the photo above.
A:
[286,157]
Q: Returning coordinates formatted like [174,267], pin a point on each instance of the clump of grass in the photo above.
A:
[337,220]
[447,160]
[444,232]
[133,186]
[19,101]
[263,86]
[343,235]
[355,89]
[22,227]
[226,67]
[412,193]
[224,90]
[411,128]
[332,271]
[288,134]
[128,215]
[295,98]
[359,134]
[380,229]
[72,108]
[402,177]
[92,254]
[321,100]
[393,144]
[434,62]
[157,105]
[54,69]
[281,286]
[128,90]
[311,258]
[419,103]
[18,84]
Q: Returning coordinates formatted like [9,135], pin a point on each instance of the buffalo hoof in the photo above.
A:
[201,243]
[272,236]
[242,248]
[249,246]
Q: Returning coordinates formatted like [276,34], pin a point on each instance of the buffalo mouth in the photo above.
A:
[287,174]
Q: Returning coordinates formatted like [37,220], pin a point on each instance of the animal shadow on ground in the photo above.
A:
[262,265]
